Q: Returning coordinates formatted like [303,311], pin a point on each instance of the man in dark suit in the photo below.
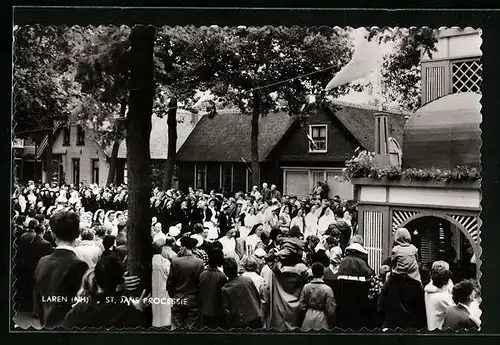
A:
[224,221]
[58,276]
[27,237]
[265,192]
[209,295]
[183,283]
[458,317]
[240,298]
[25,269]
[35,250]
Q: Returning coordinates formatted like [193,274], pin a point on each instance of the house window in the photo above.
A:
[200,175]
[80,136]
[318,139]
[76,170]
[95,170]
[226,177]
[66,136]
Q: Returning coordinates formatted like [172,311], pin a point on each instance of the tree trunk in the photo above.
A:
[116,145]
[254,145]
[49,166]
[172,144]
[138,155]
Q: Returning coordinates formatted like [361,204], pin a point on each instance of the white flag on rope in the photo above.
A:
[365,60]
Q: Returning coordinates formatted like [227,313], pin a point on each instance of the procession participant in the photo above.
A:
[106,307]
[253,238]
[299,220]
[210,291]
[317,302]
[240,299]
[183,284]
[87,250]
[58,275]
[325,220]
[343,227]
[285,278]
[352,288]
[284,218]
[459,316]
[162,313]
[311,222]
[438,296]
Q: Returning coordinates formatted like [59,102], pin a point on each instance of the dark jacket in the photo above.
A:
[25,240]
[58,277]
[241,302]
[209,293]
[184,278]
[121,251]
[50,237]
[321,257]
[224,224]
[345,233]
[103,313]
[354,264]
[39,248]
[402,304]
[458,318]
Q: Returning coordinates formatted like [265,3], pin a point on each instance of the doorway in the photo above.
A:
[438,239]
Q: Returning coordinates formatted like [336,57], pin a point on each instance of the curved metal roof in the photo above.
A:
[444,133]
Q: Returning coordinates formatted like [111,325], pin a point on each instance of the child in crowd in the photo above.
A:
[404,255]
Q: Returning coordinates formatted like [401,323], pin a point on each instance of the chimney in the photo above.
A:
[381,140]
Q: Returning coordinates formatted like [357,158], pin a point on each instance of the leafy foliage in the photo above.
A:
[361,165]
[256,60]
[41,84]
[401,77]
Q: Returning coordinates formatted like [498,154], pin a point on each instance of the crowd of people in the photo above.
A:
[249,260]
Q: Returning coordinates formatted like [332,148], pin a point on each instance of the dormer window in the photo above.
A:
[80,136]
[318,138]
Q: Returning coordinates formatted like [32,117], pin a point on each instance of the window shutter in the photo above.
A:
[436,80]
[429,246]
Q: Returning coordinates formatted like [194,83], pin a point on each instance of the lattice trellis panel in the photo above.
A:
[399,217]
[467,76]
[470,223]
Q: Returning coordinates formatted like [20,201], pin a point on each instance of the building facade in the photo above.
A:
[25,165]
[294,153]
[78,157]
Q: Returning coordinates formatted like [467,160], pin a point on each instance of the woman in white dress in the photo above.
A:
[229,245]
[162,313]
[253,238]
[284,219]
[325,221]
[211,221]
[250,220]
[311,222]
[298,220]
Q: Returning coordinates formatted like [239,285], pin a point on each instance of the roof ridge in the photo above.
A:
[369,107]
